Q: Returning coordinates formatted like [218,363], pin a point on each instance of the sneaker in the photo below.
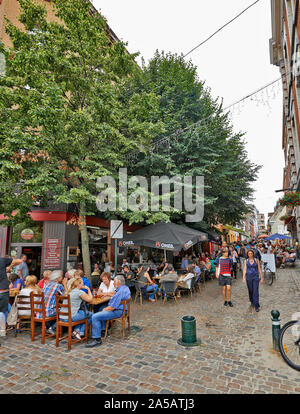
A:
[257,309]
[95,342]
[51,331]
[230,304]
[225,303]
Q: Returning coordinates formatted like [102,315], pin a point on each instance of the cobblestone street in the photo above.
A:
[236,355]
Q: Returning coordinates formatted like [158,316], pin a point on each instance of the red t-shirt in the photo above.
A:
[41,283]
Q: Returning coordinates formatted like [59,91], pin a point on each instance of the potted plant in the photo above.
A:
[290,199]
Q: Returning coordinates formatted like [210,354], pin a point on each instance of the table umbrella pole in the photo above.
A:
[165,254]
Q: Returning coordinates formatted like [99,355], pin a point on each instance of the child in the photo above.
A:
[223,273]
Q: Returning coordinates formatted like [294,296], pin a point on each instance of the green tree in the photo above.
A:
[64,121]
[198,140]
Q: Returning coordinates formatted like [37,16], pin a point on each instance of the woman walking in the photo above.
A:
[252,272]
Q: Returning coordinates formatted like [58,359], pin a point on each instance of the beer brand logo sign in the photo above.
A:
[188,244]
[27,234]
[126,243]
[157,244]
[166,245]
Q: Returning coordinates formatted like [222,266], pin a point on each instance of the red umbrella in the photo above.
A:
[263,236]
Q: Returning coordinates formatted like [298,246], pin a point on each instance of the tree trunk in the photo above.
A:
[85,250]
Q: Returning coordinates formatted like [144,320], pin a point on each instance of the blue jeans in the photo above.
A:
[253,285]
[150,289]
[7,312]
[99,321]
[78,317]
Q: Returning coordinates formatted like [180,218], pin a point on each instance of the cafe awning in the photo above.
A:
[166,236]
[226,226]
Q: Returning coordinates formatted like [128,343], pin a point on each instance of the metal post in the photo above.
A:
[275,328]
[116,256]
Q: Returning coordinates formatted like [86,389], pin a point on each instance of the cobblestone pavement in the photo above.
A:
[235,356]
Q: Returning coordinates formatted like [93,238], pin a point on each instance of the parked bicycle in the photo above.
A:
[269,276]
[289,343]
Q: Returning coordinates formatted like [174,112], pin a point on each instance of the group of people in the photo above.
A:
[247,257]
[74,284]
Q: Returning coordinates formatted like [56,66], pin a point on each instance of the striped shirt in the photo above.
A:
[50,291]
[225,266]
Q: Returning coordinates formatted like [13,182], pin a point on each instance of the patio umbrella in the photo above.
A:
[165,236]
[278,236]
[263,236]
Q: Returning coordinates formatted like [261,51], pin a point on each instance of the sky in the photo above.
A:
[233,64]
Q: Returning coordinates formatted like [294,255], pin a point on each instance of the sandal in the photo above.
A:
[76,335]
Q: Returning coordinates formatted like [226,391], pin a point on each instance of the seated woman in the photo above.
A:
[184,281]
[96,271]
[16,283]
[147,283]
[45,280]
[107,287]
[30,286]
[77,296]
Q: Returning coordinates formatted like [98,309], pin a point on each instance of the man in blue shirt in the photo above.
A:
[113,310]
[185,262]
[22,268]
[197,271]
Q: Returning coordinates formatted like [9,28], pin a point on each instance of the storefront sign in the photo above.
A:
[116,229]
[27,234]
[52,254]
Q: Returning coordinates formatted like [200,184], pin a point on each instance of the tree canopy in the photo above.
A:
[198,139]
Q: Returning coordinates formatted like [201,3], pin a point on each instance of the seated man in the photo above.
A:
[169,274]
[197,271]
[289,258]
[129,276]
[113,310]
[50,290]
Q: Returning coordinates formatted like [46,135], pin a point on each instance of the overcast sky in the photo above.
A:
[233,64]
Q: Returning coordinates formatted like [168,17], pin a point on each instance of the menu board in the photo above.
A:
[52,254]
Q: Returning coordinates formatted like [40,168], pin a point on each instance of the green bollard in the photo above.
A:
[275,328]
[188,328]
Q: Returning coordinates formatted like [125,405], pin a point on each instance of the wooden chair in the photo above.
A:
[23,304]
[138,292]
[168,289]
[63,310]
[125,315]
[188,290]
[37,303]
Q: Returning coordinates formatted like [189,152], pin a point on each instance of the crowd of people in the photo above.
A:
[223,264]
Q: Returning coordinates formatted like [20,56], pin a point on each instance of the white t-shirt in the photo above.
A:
[106,289]
[187,279]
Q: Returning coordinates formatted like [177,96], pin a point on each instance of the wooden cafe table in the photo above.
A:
[98,300]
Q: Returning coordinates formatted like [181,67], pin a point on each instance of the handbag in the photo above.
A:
[83,307]
[12,317]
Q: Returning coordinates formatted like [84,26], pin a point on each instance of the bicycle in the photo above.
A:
[289,343]
[268,274]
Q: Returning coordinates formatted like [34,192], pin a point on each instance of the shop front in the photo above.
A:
[52,242]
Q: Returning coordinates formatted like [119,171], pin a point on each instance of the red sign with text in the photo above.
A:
[52,254]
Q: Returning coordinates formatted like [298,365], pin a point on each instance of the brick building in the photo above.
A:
[51,242]
[285,53]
